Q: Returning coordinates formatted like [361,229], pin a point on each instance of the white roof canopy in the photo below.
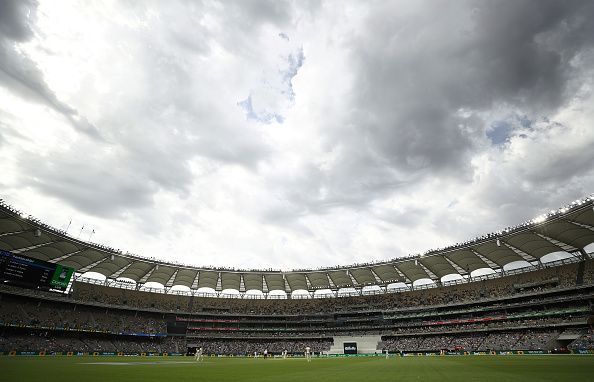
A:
[570,231]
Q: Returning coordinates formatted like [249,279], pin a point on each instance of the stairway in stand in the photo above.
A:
[580,273]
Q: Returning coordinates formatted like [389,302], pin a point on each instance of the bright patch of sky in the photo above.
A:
[273,94]
[501,131]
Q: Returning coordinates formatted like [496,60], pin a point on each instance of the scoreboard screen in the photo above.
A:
[350,347]
[33,273]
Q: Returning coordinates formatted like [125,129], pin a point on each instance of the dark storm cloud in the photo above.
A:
[426,73]
[483,54]
[19,73]
[256,12]
[106,181]
[14,19]
[97,193]
[524,49]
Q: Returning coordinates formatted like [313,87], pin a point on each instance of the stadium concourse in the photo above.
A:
[542,307]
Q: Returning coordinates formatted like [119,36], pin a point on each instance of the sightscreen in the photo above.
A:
[33,273]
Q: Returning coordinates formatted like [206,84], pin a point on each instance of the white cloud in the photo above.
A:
[376,129]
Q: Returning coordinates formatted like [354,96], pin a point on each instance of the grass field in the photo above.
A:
[145,369]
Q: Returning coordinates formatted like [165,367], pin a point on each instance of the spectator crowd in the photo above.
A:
[503,313]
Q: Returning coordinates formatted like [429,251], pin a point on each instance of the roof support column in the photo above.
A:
[564,246]
[12,233]
[21,250]
[486,260]
[90,266]
[117,273]
[579,224]
[64,257]
[524,255]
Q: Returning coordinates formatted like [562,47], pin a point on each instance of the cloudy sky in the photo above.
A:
[293,134]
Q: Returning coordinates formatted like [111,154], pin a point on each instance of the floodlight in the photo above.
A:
[539,219]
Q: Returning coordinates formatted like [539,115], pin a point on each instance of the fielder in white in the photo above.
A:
[308,354]
[199,354]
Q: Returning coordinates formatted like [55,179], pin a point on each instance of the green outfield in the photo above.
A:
[371,369]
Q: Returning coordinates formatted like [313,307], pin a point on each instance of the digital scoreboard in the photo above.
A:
[33,273]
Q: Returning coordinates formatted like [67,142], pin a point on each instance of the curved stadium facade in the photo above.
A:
[542,307]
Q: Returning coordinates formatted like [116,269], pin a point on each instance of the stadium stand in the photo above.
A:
[541,307]
[503,319]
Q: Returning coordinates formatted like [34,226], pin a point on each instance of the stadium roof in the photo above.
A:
[569,229]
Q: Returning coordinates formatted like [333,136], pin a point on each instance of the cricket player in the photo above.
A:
[199,354]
